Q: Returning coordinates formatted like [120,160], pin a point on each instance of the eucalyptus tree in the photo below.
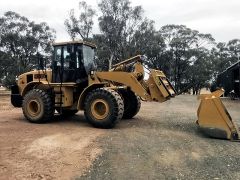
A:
[20,40]
[118,23]
[182,47]
[80,26]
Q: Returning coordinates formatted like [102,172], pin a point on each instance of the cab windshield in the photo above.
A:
[88,58]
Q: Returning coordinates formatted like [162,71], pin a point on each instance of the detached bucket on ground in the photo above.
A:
[214,119]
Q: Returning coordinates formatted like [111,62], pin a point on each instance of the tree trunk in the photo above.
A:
[110,62]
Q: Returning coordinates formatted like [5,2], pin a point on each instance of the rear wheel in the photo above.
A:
[103,108]
[38,106]
[132,103]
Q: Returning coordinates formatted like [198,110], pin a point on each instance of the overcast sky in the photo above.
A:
[221,18]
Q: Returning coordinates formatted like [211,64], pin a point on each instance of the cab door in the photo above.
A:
[64,64]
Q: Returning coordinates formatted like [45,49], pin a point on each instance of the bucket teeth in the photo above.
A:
[214,119]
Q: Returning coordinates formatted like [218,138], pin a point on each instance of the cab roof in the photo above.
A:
[74,42]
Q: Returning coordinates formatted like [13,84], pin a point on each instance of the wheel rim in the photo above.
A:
[100,109]
[33,108]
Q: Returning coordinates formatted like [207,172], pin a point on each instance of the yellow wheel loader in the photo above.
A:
[73,84]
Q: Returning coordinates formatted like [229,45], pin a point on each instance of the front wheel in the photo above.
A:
[38,106]
[103,108]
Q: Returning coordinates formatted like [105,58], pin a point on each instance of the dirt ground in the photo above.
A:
[161,142]
[61,149]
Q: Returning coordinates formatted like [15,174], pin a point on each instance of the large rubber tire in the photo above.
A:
[67,112]
[38,106]
[103,108]
[132,103]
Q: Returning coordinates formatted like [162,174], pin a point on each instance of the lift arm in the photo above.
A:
[156,88]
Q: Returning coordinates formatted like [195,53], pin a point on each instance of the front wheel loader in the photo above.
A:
[73,83]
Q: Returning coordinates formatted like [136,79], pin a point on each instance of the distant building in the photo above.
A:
[229,80]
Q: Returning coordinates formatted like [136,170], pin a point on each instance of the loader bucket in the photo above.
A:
[214,119]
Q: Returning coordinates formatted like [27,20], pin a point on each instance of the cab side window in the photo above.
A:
[66,57]
[57,58]
[79,57]
[69,57]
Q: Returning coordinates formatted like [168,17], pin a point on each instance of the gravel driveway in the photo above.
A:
[161,142]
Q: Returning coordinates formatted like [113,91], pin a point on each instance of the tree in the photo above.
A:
[7,69]
[102,52]
[225,55]
[20,40]
[234,50]
[182,44]
[118,23]
[150,43]
[220,58]
[200,70]
[81,26]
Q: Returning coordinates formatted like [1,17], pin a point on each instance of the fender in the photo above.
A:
[42,85]
[81,99]
[28,87]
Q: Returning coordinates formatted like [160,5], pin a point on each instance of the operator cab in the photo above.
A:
[72,61]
